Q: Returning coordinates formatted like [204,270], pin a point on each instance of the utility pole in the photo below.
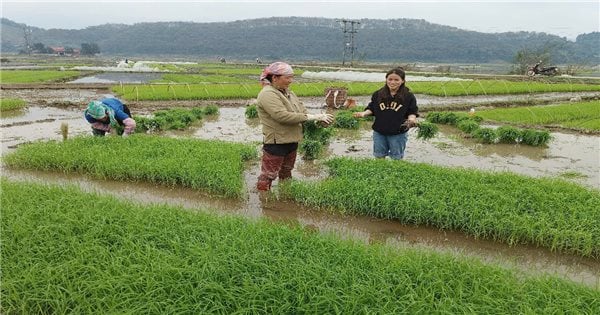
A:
[27,36]
[349,45]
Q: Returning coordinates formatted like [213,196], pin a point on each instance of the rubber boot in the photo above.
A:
[287,166]
[269,168]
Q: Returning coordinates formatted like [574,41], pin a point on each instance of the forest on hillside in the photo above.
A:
[318,39]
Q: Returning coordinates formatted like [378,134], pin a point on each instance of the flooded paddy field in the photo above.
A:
[567,153]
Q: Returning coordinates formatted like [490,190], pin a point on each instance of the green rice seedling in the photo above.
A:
[485,135]
[508,134]
[35,76]
[442,117]
[10,104]
[434,117]
[211,110]
[175,118]
[196,79]
[65,251]
[427,130]
[198,112]
[251,111]
[581,115]
[200,164]
[315,136]
[448,118]
[250,90]
[315,131]
[344,119]
[500,206]
[591,125]
[460,116]
[535,137]
[149,124]
[311,149]
[468,126]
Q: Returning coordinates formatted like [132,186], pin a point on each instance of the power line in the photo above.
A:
[27,37]
[349,45]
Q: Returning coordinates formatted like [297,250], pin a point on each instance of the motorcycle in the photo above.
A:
[538,69]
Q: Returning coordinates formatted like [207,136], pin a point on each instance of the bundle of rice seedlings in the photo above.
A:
[211,110]
[535,137]
[427,130]
[508,134]
[251,111]
[311,149]
[485,135]
[345,119]
[468,126]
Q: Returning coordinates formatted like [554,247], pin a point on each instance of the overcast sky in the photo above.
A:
[559,17]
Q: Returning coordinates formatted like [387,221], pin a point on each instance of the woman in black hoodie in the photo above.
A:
[395,110]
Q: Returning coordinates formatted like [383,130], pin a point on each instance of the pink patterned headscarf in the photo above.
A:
[276,68]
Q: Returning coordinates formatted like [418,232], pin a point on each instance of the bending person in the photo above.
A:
[107,113]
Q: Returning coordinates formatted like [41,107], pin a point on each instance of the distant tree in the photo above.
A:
[69,50]
[39,48]
[90,49]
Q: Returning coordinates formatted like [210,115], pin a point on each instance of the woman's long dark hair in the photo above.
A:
[385,91]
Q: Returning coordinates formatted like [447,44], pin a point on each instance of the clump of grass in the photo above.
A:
[251,111]
[485,135]
[10,104]
[535,137]
[468,126]
[505,134]
[211,110]
[427,130]
[508,134]
[175,118]
[65,251]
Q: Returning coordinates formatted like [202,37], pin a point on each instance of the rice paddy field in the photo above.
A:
[168,219]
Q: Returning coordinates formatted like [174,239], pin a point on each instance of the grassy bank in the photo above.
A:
[35,76]
[250,90]
[8,104]
[584,116]
[65,251]
[202,164]
[499,206]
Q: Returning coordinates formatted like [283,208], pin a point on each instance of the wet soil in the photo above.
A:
[568,153]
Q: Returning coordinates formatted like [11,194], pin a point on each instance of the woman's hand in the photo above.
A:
[411,121]
[362,114]
[326,118]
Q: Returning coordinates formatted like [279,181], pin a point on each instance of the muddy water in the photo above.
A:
[119,77]
[566,153]
[529,259]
